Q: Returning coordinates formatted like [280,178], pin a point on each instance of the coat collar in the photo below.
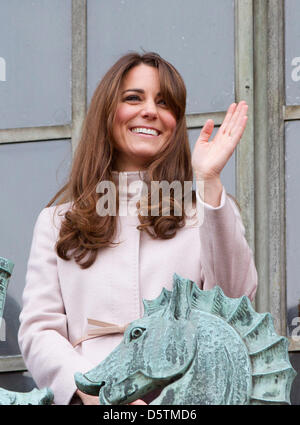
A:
[130,183]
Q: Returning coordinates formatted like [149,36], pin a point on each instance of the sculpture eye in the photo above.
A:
[136,333]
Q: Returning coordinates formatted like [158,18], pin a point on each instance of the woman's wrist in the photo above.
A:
[210,190]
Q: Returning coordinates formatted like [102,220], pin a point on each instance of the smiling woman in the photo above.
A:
[139,92]
[143,123]
[135,127]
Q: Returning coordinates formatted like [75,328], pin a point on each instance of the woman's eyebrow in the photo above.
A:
[138,91]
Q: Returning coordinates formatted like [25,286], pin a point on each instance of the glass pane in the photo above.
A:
[30,175]
[17,381]
[292,52]
[35,63]
[197,37]
[295,390]
[292,131]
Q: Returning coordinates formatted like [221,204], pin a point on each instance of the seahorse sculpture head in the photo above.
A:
[43,396]
[199,347]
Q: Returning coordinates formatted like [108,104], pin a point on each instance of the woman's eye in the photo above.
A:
[132,98]
[136,333]
[162,102]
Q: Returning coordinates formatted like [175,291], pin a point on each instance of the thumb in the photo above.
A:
[138,402]
[206,131]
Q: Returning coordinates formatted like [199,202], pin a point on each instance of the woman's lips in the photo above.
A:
[144,134]
[145,130]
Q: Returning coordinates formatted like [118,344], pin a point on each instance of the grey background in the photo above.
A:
[292,51]
[197,37]
[30,175]
[35,42]
[292,131]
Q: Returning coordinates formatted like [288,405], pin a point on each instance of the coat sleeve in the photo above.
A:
[43,333]
[226,257]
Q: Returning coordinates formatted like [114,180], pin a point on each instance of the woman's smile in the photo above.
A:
[145,131]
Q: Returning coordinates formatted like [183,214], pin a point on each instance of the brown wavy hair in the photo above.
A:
[83,231]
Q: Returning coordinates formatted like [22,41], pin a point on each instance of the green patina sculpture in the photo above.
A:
[44,396]
[198,347]
[6,268]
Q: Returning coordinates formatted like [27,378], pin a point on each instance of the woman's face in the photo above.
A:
[143,124]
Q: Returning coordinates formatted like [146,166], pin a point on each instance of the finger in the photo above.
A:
[237,135]
[240,112]
[240,123]
[239,130]
[206,131]
[230,112]
[138,402]
[235,116]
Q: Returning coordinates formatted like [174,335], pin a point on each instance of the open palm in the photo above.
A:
[209,158]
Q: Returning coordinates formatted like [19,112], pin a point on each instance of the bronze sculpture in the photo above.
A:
[198,347]
[43,396]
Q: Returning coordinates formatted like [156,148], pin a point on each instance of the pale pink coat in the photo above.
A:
[59,296]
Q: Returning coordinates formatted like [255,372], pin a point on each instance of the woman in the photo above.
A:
[84,264]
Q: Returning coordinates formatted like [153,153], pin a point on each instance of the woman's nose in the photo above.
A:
[149,110]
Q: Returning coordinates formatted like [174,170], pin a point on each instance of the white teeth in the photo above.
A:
[145,131]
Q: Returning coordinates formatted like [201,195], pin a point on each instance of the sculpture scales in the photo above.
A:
[198,347]
[44,396]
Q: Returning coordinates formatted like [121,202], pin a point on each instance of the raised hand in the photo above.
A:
[209,158]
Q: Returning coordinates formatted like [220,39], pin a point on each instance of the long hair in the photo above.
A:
[83,231]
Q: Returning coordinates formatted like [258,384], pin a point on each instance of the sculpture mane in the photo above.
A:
[198,347]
